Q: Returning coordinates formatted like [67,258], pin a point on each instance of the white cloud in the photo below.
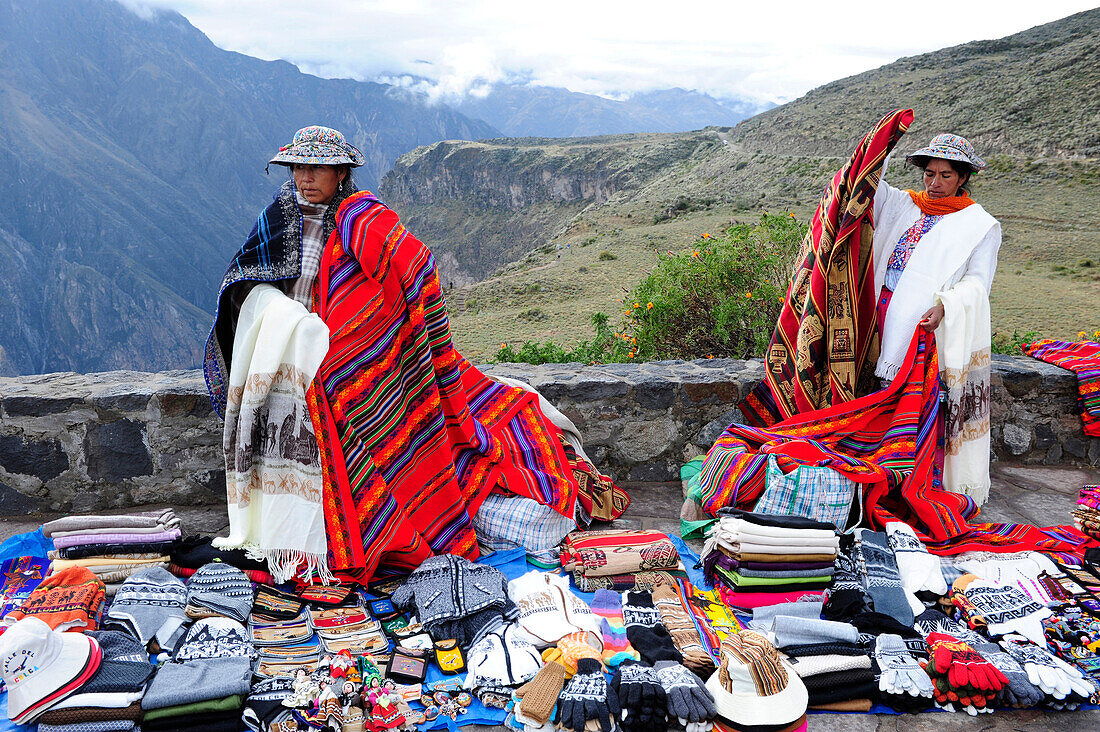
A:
[775,50]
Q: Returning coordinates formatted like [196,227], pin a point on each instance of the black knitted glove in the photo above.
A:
[588,696]
[641,696]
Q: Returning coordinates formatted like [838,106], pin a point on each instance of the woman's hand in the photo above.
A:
[931,319]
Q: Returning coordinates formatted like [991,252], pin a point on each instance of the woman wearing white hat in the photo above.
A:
[935,253]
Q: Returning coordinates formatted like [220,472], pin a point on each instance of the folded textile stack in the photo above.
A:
[1086,515]
[67,600]
[193,552]
[827,655]
[113,694]
[620,559]
[348,628]
[756,559]
[113,547]
[204,685]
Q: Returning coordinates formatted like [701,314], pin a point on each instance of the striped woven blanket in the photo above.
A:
[826,341]
[412,436]
[1083,359]
[886,441]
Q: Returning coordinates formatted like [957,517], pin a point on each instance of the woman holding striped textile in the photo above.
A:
[411,437]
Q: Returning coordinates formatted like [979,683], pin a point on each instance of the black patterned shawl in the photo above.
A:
[272,253]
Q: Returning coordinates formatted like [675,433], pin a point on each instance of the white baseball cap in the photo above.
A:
[42,666]
[754,685]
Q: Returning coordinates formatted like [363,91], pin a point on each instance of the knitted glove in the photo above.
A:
[641,696]
[900,673]
[689,700]
[962,665]
[1000,609]
[1019,692]
[1045,670]
[539,695]
[919,569]
[933,621]
[616,645]
[588,697]
[645,631]
[576,646]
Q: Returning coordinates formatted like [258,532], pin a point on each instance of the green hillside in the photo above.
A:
[591,213]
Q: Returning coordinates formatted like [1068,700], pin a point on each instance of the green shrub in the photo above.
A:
[606,257]
[720,298]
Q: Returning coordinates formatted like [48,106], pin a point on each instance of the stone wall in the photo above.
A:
[71,442]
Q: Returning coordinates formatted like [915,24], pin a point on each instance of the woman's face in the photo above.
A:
[941,180]
[317,183]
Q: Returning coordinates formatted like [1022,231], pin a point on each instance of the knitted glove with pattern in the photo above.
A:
[641,697]
[689,700]
[1045,670]
[899,672]
[1019,692]
[645,631]
[962,665]
[588,698]
[576,646]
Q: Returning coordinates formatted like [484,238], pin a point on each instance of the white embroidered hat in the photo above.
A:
[42,666]
[753,685]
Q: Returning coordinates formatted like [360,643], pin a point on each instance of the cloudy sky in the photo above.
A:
[774,50]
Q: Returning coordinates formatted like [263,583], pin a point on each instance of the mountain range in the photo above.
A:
[134,151]
[521,110]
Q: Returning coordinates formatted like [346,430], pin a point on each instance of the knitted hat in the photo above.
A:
[149,606]
[216,637]
[220,589]
[125,666]
[753,685]
[67,600]
[41,666]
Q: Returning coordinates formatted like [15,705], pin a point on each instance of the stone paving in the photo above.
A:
[1038,495]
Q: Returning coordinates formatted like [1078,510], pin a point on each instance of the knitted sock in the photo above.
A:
[883,581]
[616,646]
[540,694]
[683,631]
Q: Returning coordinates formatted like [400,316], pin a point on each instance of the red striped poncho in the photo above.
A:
[407,459]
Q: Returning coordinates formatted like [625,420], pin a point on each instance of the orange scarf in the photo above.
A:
[940,206]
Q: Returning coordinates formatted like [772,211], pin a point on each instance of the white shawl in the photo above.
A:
[962,243]
[963,342]
[272,464]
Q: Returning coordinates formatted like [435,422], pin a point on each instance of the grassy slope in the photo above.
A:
[1028,101]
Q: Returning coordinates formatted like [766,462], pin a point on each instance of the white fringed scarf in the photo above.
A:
[963,342]
[272,464]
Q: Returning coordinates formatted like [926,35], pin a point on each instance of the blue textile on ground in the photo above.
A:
[30,544]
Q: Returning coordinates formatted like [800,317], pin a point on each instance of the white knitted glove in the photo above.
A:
[899,672]
[1045,670]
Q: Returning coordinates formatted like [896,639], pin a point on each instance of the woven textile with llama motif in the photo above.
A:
[618,554]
